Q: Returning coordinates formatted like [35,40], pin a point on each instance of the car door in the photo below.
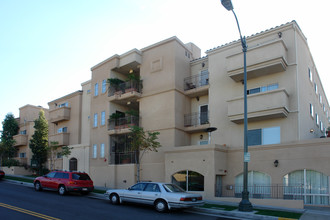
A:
[150,193]
[133,194]
[47,180]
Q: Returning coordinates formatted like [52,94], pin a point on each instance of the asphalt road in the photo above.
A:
[21,202]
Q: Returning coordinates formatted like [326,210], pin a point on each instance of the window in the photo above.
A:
[310,74]
[152,187]
[189,180]
[264,136]
[23,132]
[315,88]
[94,150]
[103,118]
[320,99]
[95,120]
[65,104]
[311,110]
[59,156]
[96,89]
[22,155]
[317,119]
[102,150]
[310,185]
[138,187]
[203,142]
[321,126]
[263,88]
[62,130]
[104,86]
[258,184]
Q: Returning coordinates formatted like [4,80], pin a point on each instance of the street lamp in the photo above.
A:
[245,205]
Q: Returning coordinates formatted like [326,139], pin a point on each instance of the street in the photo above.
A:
[21,202]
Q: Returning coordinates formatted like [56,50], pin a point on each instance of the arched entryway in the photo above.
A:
[73,164]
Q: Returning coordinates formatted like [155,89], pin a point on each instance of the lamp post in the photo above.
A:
[245,205]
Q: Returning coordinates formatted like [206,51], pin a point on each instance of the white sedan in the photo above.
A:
[163,196]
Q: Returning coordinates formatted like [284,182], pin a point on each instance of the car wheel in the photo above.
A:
[61,190]
[160,205]
[37,186]
[114,199]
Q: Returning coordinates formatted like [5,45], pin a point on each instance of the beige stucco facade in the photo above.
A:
[27,115]
[180,95]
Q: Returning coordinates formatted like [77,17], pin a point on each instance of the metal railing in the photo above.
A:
[124,122]
[196,81]
[125,87]
[265,192]
[196,118]
[125,157]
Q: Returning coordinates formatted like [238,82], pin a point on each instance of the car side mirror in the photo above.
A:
[129,188]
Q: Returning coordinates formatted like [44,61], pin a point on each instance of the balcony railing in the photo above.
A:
[125,157]
[196,81]
[59,114]
[196,118]
[20,140]
[124,122]
[125,87]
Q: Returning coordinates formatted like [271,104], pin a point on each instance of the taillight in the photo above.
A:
[72,182]
[185,199]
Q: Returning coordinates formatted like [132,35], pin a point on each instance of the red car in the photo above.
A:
[65,181]
[2,174]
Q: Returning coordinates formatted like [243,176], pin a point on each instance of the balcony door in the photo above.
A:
[203,114]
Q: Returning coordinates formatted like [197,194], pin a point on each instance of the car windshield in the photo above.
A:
[80,176]
[172,188]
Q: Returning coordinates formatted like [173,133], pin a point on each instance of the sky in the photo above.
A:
[47,47]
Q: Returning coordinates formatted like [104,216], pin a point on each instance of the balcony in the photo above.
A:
[61,138]
[126,92]
[263,59]
[196,122]
[261,106]
[59,114]
[197,85]
[122,125]
[20,140]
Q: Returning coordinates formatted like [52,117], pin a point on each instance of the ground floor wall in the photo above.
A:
[79,158]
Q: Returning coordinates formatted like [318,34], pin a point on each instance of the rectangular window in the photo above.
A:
[62,130]
[94,150]
[317,119]
[311,110]
[321,126]
[315,88]
[264,136]
[102,150]
[104,86]
[96,89]
[310,74]
[204,142]
[320,99]
[22,155]
[263,88]
[103,118]
[65,104]
[59,156]
[95,120]
[23,132]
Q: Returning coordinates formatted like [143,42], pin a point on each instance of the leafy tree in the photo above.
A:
[54,150]
[39,141]
[10,128]
[142,142]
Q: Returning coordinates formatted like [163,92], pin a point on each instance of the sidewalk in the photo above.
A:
[309,213]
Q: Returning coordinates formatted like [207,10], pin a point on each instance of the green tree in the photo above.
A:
[10,128]
[54,149]
[39,141]
[142,142]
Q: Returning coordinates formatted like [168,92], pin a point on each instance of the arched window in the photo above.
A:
[310,185]
[189,180]
[258,185]
[73,164]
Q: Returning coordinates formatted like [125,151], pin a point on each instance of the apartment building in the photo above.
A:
[196,103]
[69,126]
[182,96]
[27,115]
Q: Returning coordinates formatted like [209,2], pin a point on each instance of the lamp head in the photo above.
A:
[227,4]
